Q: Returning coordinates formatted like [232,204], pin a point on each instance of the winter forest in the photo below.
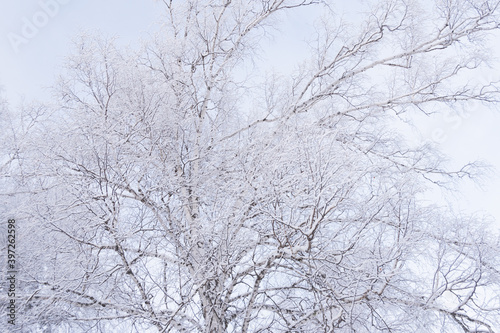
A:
[177,187]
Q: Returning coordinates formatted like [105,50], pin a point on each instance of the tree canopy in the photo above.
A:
[163,190]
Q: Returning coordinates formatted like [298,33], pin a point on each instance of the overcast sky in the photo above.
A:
[36,36]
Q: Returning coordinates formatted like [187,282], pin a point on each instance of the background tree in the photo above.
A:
[165,192]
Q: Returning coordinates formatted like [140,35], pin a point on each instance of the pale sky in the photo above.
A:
[29,64]
[29,60]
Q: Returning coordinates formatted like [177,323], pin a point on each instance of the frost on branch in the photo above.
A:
[162,192]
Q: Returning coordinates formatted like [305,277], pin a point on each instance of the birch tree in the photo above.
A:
[164,192]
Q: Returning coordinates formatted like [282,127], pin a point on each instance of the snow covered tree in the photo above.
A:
[166,191]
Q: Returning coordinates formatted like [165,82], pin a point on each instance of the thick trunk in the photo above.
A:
[213,308]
